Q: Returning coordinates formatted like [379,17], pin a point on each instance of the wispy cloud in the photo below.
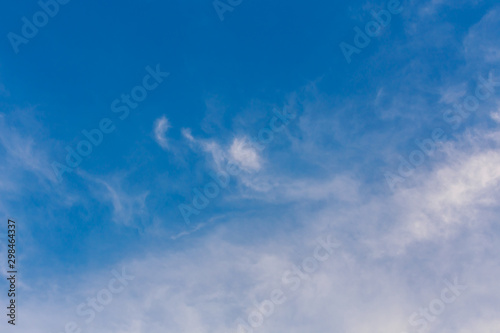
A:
[128,208]
[22,151]
[161,127]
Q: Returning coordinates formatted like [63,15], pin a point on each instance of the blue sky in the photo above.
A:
[249,139]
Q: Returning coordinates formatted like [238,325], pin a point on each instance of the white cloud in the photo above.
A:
[245,155]
[482,43]
[128,208]
[23,151]
[495,116]
[161,127]
[186,132]
[240,152]
[372,284]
